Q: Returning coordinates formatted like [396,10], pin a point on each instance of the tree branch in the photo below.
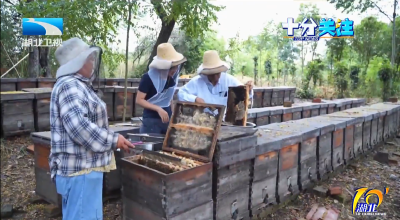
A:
[160,11]
[8,1]
[380,10]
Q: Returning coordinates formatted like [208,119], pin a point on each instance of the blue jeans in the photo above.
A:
[82,196]
[153,126]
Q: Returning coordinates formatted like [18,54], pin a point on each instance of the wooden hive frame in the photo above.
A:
[236,95]
[196,128]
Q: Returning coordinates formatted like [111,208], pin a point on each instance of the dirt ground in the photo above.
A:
[18,184]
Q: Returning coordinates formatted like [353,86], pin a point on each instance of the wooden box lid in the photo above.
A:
[192,131]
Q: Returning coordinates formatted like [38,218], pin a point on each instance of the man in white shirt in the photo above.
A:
[212,83]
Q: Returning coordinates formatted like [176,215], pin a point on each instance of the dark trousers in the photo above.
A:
[153,126]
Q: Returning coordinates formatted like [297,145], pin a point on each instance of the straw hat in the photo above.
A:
[212,64]
[167,57]
[72,55]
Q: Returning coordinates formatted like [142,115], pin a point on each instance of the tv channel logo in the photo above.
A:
[42,26]
[366,207]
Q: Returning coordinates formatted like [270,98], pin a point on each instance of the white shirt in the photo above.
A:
[201,87]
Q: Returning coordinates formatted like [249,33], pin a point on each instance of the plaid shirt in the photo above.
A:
[80,138]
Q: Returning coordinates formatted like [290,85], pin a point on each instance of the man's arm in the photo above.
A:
[188,92]
[144,88]
[80,129]
[232,81]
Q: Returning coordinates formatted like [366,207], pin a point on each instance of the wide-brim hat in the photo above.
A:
[212,64]
[72,55]
[167,57]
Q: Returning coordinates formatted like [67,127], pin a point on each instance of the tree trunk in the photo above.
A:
[163,36]
[393,45]
[44,61]
[33,63]
[126,59]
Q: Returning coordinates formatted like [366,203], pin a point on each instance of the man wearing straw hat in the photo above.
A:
[212,83]
[157,88]
[81,143]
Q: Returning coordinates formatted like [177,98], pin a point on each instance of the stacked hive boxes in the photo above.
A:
[231,173]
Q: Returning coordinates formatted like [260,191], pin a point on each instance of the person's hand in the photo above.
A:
[163,115]
[250,84]
[199,100]
[124,144]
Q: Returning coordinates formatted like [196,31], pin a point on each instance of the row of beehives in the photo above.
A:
[28,110]
[46,189]
[18,84]
[252,173]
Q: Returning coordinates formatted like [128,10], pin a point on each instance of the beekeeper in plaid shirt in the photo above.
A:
[81,143]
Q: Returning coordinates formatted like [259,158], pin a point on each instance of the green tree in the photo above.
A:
[82,19]
[308,11]
[340,78]
[193,16]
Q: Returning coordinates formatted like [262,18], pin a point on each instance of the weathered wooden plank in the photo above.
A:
[263,192]
[233,206]
[119,102]
[17,107]
[231,178]
[45,188]
[14,96]
[108,98]
[23,83]
[17,124]
[265,166]
[46,82]
[236,150]
[258,97]
[267,97]
[8,84]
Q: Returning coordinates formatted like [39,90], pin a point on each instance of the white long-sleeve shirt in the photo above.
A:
[201,87]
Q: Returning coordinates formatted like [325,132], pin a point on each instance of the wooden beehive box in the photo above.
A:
[46,82]
[307,149]
[287,183]
[237,104]
[109,99]
[359,127]
[263,116]
[135,82]
[8,84]
[17,113]
[167,190]
[25,83]
[291,113]
[372,128]
[265,169]
[231,174]
[315,108]
[349,147]
[324,144]
[377,126]
[111,82]
[388,124]
[119,94]
[277,96]
[275,114]
[258,97]
[140,212]
[347,102]
[292,94]
[267,98]
[396,115]
[306,109]
[338,143]
[46,189]
[323,108]
[41,107]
